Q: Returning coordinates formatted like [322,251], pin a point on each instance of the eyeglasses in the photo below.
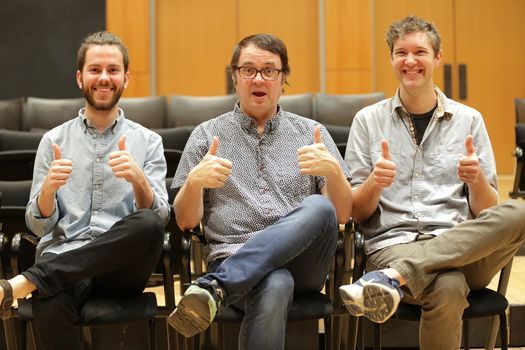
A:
[251,72]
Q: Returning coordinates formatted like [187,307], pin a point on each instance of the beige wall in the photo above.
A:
[195,40]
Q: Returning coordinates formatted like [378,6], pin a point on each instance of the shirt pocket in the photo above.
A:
[445,160]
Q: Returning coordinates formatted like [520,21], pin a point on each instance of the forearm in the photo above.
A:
[481,195]
[339,191]
[188,205]
[365,200]
[144,195]
[46,202]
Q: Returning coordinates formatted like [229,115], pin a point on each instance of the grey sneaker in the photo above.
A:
[375,296]
[195,312]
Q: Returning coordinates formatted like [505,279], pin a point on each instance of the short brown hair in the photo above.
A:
[266,42]
[101,38]
[412,24]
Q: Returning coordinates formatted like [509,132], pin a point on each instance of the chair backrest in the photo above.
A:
[46,113]
[11,114]
[341,109]
[193,110]
[150,112]
[14,140]
[300,104]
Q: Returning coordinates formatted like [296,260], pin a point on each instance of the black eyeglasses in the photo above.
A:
[251,72]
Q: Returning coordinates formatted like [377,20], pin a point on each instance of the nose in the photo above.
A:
[410,60]
[258,77]
[104,76]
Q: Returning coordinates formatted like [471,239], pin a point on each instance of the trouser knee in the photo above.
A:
[447,293]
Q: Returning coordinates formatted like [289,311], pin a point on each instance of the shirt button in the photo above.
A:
[98,160]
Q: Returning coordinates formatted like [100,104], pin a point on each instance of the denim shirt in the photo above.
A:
[427,196]
[265,183]
[93,199]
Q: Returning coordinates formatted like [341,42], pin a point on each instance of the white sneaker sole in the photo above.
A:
[378,303]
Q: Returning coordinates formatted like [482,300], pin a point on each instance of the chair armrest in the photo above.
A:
[168,260]
[339,269]
[23,250]
[359,254]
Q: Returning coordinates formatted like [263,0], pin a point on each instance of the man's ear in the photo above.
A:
[126,79]
[79,79]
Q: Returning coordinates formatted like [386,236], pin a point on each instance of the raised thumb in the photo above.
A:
[317,134]
[469,145]
[214,146]
[385,150]
[57,152]
[122,143]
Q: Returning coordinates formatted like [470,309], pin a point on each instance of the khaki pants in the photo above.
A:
[440,271]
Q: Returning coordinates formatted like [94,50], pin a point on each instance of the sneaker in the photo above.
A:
[375,296]
[195,312]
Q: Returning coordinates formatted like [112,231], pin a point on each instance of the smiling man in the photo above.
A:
[269,187]
[424,187]
[98,202]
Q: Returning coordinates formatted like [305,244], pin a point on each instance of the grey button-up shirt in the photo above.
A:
[427,195]
[265,183]
[93,199]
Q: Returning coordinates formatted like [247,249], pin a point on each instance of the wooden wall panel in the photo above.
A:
[493,53]
[129,19]
[195,40]
[296,23]
[348,46]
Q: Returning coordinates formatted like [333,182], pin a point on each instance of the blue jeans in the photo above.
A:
[291,256]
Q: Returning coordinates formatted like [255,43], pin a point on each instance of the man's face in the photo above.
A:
[414,61]
[258,97]
[103,78]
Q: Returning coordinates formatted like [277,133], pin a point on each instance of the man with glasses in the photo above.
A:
[270,189]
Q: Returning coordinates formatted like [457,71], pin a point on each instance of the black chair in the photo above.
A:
[482,303]
[313,306]
[46,113]
[341,109]
[193,110]
[17,154]
[11,113]
[518,190]
[150,112]
[174,140]
[300,104]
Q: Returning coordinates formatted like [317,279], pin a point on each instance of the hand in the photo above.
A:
[123,165]
[212,171]
[60,170]
[468,166]
[315,159]
[384,171]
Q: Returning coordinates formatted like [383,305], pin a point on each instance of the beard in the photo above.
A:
[103,106]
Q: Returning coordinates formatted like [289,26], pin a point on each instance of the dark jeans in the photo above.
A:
[117,263]
[291,256]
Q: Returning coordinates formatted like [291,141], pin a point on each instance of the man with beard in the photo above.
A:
[98,202]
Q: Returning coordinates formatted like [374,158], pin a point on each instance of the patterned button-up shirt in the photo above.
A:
[265,183]
[427,196]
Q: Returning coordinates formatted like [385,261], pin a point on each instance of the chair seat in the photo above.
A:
[304,307]
[105,312]
[483,302]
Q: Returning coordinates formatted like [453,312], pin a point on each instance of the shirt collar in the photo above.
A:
[87,124]
[250,125]
[443,110]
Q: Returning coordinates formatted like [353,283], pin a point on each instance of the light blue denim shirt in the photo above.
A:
[93,199]
[427,196]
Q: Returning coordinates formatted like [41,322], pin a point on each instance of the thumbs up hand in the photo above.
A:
[123,165]
[59,171]
[212,171]
[384,172]
[468,165]
[315,159]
